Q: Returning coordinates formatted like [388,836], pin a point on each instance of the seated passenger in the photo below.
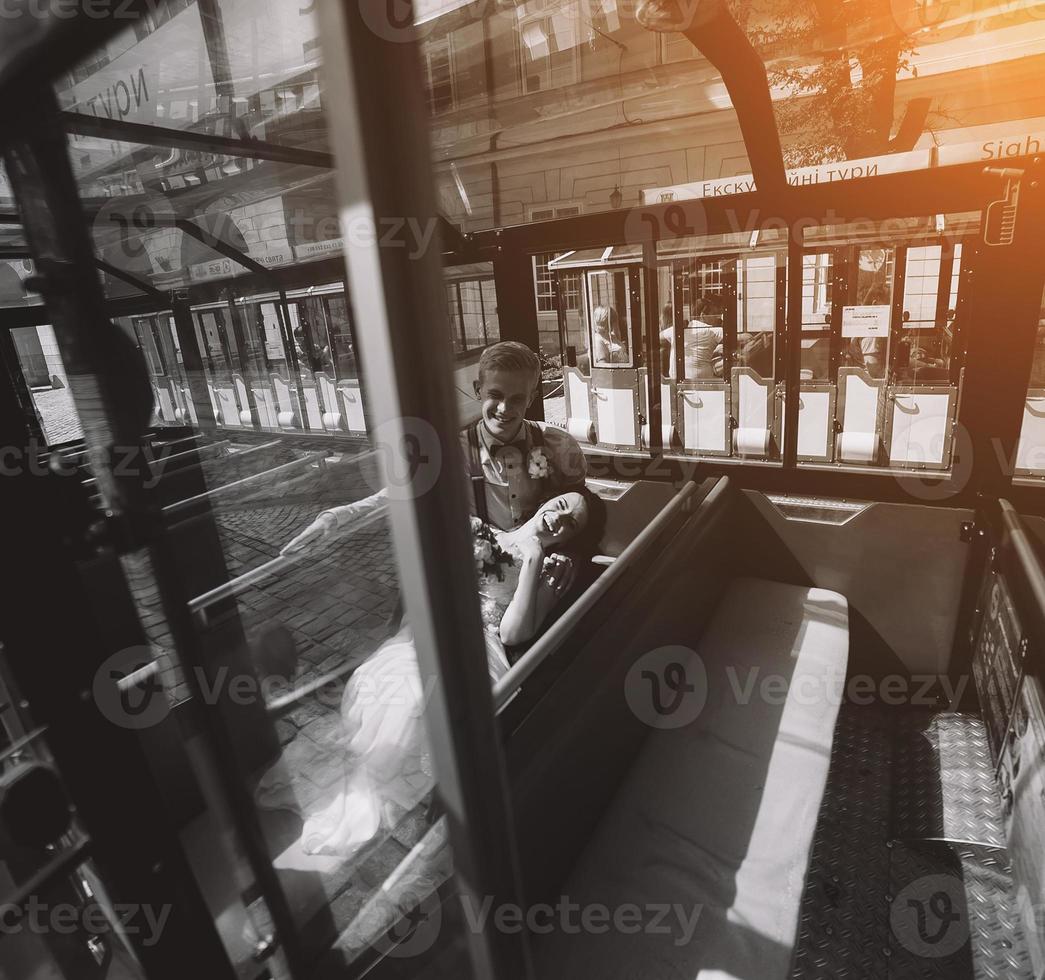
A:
[702,343]
[608,345]
[388,769]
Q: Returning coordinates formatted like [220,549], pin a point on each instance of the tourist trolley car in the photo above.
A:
[790,722]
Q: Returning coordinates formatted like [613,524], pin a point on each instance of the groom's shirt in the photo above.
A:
[514,489]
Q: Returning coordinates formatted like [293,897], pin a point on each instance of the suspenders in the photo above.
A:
[475,469]
[475,466]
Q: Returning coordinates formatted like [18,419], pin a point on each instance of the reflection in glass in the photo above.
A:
[817,288]
[871,286]
[888,345]
[756,313]
[704,315]
[1030,452]
[609,298]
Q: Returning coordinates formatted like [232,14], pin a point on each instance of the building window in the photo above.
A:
[550,213]
[473,314]
[921,286]
[439,75]
[453,306]
[544,285]
[756,294]
[709,275]
[548,50]
[817,281]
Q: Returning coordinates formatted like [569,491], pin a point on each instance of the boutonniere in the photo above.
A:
[489,555]
[538,464]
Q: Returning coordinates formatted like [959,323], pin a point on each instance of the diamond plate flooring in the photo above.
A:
[908,877]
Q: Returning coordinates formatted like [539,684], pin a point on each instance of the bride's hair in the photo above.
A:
[584,542]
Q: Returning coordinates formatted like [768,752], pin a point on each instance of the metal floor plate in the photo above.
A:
[886,898]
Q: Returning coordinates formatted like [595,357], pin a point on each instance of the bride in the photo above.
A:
[388,769]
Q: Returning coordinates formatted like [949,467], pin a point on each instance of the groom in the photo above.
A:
[514,465]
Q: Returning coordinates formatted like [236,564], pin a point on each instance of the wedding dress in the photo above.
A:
[388,767]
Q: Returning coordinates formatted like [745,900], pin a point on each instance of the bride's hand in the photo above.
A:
[559,573]
[318,529]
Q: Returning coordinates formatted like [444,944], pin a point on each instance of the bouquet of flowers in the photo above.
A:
[490,557]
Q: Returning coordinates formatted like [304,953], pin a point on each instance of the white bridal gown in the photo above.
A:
[388,768]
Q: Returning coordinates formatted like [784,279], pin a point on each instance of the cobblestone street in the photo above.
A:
[58,415]
[335,604]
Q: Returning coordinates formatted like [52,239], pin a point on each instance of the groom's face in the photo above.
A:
[505,396]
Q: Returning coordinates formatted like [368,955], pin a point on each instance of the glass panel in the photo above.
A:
[456,326]
[921,286]
[536,56]
[472,314]
[817,288]
[924,352]
[704,313]
[1030,452]
[44,372]
[341,339]
[886,355]
[757,313]
[490,316]
[298,633]
[609,300]
[719,320]
[871,292]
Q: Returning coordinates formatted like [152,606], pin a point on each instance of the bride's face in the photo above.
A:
[561,518]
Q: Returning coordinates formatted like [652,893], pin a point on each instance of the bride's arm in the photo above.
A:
[520,620]
[335,518]
[535,595]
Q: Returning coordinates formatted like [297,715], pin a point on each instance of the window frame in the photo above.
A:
[545,13]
